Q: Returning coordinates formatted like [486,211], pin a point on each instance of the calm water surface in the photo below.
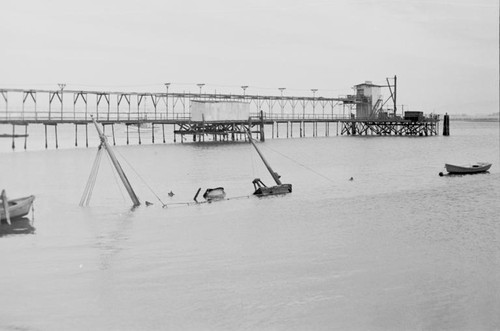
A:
[396,248]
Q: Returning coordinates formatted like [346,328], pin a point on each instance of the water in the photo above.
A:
[398,247]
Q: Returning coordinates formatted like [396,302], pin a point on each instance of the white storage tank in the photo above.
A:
[219,111]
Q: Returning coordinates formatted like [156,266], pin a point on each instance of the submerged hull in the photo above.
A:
[214,194]
[273,190]
[472,169]
[17,207]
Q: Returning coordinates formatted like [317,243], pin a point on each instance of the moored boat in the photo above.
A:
[467,169]
[11,209]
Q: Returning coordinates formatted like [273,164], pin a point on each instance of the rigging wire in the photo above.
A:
[300,164]
[115,177]
[164,205]
[252,161]
[87,192]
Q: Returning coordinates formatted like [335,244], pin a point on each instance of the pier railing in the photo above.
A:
[45,116]
[66,106]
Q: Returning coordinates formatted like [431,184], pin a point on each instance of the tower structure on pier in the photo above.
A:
[369,100]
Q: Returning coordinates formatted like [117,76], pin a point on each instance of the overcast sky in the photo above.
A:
[444,52]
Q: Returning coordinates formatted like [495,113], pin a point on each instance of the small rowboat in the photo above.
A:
[15,208]
[467,169]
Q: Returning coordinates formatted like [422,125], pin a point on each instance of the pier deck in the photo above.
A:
[50,108]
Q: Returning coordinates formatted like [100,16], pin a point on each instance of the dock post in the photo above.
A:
[127,132]
[139,131]
[163,131]
[446,125]
[76,135]
[86,135]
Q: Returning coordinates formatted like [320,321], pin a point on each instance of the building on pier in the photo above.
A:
[368,100]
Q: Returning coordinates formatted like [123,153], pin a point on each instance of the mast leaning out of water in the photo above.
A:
[116,164]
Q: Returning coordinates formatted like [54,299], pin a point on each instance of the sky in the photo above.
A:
[445,53]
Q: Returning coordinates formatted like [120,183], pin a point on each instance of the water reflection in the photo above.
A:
[21,225]
[110,234]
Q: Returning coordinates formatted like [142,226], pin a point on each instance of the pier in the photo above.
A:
[284,116]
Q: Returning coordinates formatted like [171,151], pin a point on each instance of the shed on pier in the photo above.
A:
[369,99]
[414,116]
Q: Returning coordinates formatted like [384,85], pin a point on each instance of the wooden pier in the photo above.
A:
[284,116]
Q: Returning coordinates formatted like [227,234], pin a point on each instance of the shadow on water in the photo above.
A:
[18,226]
[441,174]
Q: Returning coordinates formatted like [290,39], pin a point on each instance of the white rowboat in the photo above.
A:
[467,169]
[16,208]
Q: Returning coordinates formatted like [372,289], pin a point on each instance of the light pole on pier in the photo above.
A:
[314,90]
[61,86]
[282,104]
[244,87]
[200,86]
[281,90]
[166,98]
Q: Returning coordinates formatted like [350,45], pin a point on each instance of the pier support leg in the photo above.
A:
[13,136]
[153,133]
[262,136]
[76,135]
[25,136]
[113,133]
[127,133]
[57,141]
[163,132]
[86,135]
[139,132]
[45,125]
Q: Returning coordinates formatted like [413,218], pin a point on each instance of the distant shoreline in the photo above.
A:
[476,119]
